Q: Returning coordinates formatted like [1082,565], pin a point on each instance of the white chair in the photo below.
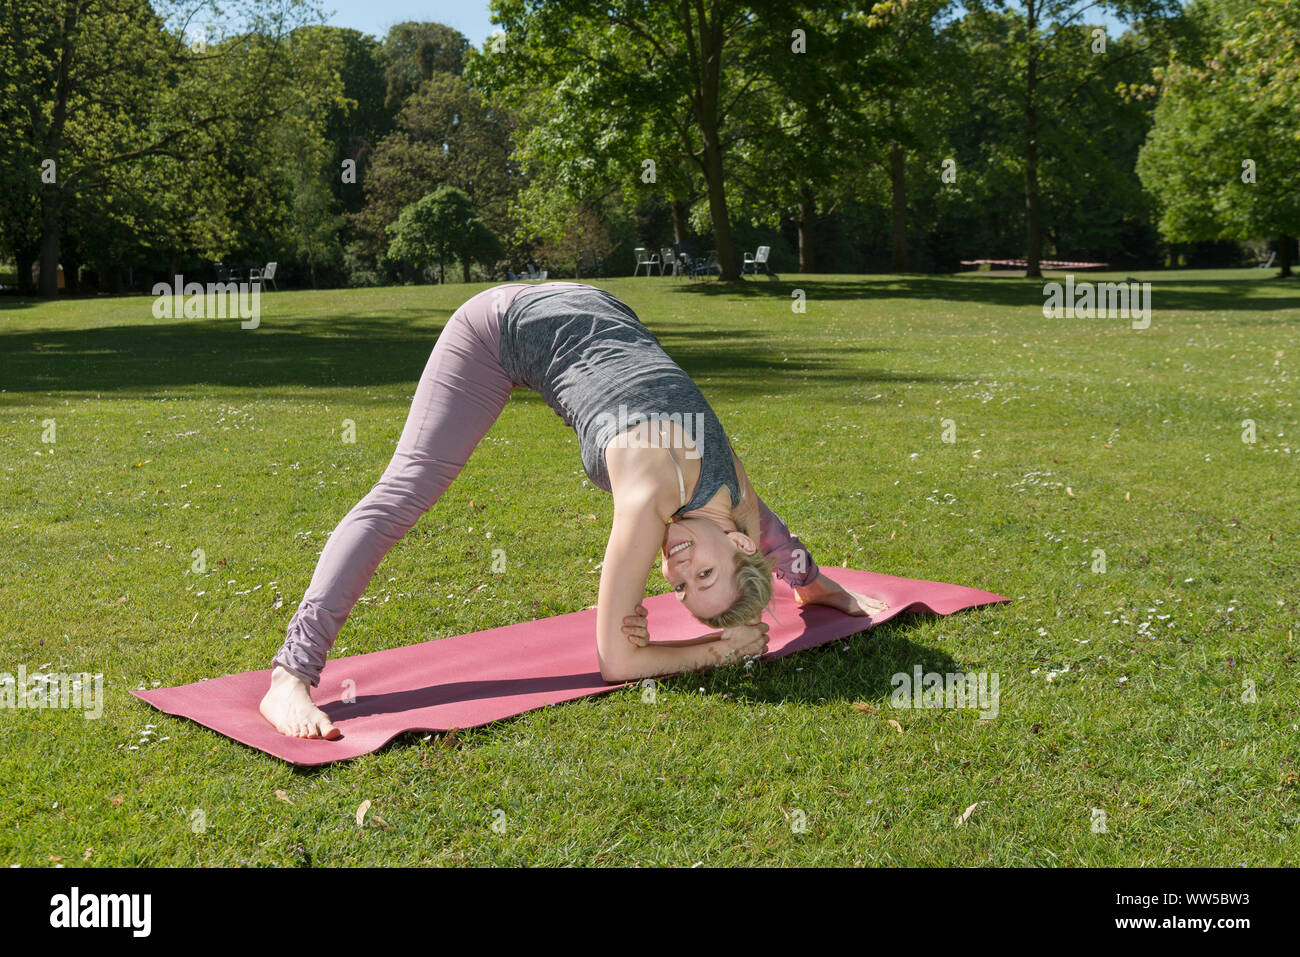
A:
[1271,257]
[758,260]
[534,274]
[261,276]
[667,260]
[644,258]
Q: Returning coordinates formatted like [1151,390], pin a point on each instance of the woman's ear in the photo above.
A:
[743,542]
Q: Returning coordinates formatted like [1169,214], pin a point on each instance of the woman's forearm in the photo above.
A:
[668,658]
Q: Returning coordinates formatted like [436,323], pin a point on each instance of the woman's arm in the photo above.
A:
[794,563]
[634,542]
[795,566]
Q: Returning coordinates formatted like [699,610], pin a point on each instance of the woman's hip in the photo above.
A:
[483,313]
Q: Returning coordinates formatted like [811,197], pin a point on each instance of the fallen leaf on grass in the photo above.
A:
[89,852]
[966,814]
[282,796]
[895,725]
[115,800]
[361,815]
[863,707]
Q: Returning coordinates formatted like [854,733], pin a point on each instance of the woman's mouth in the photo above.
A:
[679,548]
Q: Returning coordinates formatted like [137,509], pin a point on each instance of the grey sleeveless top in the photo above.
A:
[588,354]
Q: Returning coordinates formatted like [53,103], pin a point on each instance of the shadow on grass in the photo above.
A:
[1167,294]
[827,673]
[351,351]
[362,350]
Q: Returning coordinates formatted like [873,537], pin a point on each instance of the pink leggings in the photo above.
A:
[461,392]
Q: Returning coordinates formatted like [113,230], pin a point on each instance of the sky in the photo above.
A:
[470,17]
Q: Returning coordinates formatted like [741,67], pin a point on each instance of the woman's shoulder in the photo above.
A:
[641,475]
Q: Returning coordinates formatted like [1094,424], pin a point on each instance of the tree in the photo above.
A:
[1044,45]
[863,94]
[797,144]
[1222,156]
[139,134]
[414,52]
[446,134]
[641,70]
[355,126]
[442,226]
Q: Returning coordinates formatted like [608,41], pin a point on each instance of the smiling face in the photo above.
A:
[699,562]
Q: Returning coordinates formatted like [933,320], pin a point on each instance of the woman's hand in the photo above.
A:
[636,627]
[740,643]
[823,591]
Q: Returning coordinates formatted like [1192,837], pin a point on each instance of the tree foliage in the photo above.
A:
[1223,158]
[439,227]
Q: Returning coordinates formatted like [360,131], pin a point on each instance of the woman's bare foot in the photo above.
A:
[289,708]
[823,591]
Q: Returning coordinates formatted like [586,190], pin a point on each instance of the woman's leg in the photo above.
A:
[461,393]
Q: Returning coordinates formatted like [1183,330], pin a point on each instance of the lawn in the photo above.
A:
[1149,713]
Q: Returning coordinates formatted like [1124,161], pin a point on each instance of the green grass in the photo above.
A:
[1120,691]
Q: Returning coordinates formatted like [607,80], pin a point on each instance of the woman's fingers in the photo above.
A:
[636,627]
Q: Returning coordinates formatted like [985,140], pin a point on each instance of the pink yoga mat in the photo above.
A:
[485,676]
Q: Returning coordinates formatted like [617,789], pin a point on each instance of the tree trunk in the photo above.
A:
[806,221]
[728,270]
[679,222]
[52,198]
[898,179]
[1033,207]
[26,259]
[706,115]
[464,267]
[1284,256]
[49,285]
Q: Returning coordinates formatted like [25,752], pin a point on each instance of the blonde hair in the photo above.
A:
[754,583]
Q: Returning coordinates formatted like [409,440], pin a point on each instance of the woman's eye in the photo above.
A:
[706,573]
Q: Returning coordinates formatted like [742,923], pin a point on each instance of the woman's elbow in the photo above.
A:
[617,669]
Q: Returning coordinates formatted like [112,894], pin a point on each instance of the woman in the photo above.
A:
[600,369]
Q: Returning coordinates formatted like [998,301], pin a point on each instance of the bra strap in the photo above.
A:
[681,483]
